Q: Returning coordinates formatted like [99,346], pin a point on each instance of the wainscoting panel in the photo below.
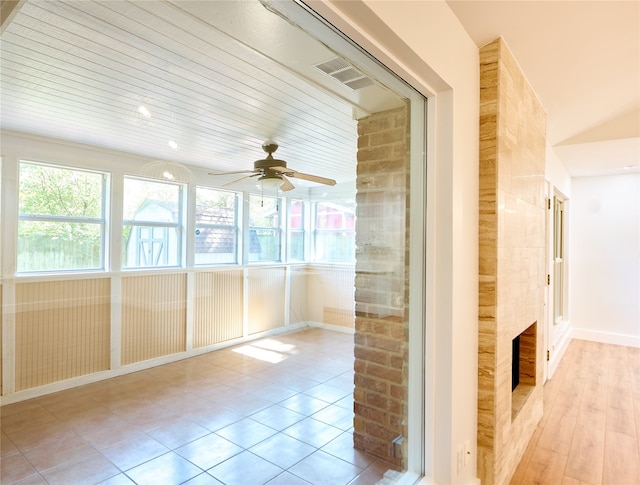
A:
[153,316]
[298,299]
[62,330]
[217,307]
[337,287]
[266,299]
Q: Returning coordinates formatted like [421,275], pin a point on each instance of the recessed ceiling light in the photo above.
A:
[173,144]
[144,111]
[168,175]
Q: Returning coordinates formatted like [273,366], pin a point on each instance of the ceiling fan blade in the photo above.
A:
[286,184]
[231,173]
[304,176]
[233,182]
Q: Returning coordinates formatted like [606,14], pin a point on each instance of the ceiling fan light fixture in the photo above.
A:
[270,182]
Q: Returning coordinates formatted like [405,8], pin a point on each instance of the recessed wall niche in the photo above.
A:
[523,367]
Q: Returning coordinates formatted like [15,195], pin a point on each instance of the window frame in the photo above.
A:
[278,229]
[302,231]
[316,231]
[102,222]
[559,260]
[237,230]
[179,226]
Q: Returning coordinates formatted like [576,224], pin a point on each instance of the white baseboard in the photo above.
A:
[147,364]
[606,337]
[430,481]
[559,348]
[335,328]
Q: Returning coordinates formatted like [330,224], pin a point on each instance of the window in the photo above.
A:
[559,260]
[216,238]
[152,218]
[334,236]
[264,228]
[296,231]
[61,221]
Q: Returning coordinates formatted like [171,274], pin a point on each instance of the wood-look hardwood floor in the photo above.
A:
[590,432]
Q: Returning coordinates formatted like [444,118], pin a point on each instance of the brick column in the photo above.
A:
[381,293]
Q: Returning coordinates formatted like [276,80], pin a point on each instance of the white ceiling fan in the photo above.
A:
[273,172]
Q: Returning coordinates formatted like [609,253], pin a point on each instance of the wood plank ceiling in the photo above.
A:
[217,79]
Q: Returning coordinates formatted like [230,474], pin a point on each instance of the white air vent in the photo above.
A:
[345,73]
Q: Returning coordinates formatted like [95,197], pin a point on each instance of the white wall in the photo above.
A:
[556,173]
[425,44]
[605,259]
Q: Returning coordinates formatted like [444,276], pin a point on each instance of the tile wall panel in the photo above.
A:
[512,256]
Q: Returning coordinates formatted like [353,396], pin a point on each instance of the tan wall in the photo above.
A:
[380,397]
[217,302]
[153,316]
[330,295]
[266,299]
[512,258]
[62,330]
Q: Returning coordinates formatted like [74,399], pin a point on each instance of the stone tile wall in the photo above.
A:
[380,397]
[512,259]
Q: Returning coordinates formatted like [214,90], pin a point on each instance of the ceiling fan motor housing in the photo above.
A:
[268,163]
[269,147]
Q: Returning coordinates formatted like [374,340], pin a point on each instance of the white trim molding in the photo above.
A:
[605,337]
[561,342]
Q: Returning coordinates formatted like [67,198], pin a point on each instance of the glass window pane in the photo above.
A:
[152,231]
[296,216]
[264,211]
[149,201]
[296,248]
[334,239]
[216,238]
[264,245]
[215,245]
[335,246]
[58,246]
[147,247]
[296,231]
[215,207]
[335,215]
[264,228]
[61,219]
[56,191]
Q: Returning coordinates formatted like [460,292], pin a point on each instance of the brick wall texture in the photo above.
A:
[381,293]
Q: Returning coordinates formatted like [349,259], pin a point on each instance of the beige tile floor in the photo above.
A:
[275,411]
